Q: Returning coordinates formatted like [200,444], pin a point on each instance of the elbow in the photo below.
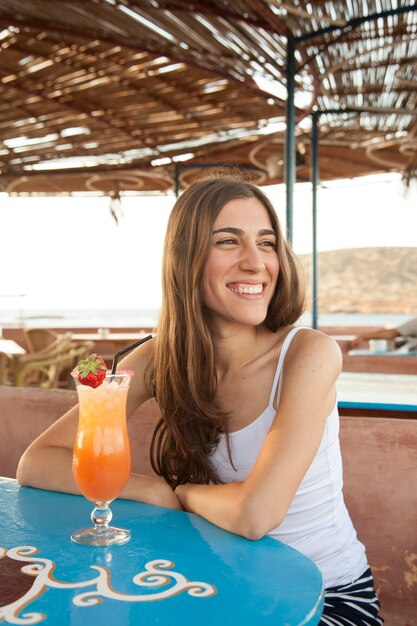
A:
[255,522]
[254,533]
[255,529]
[28,468]
[23,472]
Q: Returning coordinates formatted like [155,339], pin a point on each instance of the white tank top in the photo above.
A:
[317,522]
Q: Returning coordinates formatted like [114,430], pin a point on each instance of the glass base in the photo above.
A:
[101,536]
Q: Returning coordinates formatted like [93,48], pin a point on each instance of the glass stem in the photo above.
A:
[101,515]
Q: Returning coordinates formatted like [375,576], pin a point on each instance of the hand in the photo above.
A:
[151,490]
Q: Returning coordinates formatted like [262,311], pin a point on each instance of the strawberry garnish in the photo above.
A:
[91,371]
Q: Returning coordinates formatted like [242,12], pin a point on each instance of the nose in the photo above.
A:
[251,259]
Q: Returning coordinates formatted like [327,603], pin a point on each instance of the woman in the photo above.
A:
[248,436]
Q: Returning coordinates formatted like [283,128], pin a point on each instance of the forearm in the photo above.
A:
[34,470]
[47,467]
[223,505]
[151,490]
[382,333]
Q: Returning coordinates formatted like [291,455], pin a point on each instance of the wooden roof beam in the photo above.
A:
[99,169]
[40,26]
[208,9]
[282,29]
[277,24]
[367,90]
[357,21]
[123,81]
[104,122]
[345,30]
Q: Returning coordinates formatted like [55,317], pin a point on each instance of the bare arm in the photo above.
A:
[47,463]
[254,507]
[382,333]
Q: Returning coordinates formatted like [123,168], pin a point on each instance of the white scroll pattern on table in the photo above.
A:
[156,573]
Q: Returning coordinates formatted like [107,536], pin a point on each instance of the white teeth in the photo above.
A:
[247,289]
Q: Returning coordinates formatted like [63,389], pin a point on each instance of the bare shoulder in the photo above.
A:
[315,339]
[312,349]
[140,357]
[139,361]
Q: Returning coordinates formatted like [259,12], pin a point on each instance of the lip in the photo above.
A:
[251,283]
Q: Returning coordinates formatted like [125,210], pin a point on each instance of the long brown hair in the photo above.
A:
[183,372]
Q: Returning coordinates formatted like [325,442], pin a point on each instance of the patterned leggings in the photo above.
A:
[355,604]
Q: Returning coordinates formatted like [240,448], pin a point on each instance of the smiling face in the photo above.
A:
[242,267]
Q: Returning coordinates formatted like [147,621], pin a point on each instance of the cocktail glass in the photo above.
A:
[101,459]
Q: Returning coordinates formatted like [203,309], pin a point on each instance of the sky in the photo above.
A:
[68,253]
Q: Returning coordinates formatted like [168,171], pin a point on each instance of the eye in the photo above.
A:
[226,242]
[267,243]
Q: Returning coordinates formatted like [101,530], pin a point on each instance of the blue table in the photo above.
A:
[177,569]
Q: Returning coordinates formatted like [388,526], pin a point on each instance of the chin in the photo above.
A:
[238,315]
[250,320]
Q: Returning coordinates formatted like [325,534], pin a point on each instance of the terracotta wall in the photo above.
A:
[380,473]
[25,413]
[380,485]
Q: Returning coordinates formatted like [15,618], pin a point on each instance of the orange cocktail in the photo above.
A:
[101,459]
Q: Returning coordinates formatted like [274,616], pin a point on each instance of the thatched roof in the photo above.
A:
[107,95]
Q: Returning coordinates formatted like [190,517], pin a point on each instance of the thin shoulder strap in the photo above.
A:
[278,377]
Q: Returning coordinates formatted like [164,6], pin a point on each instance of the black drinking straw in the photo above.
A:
[127,349]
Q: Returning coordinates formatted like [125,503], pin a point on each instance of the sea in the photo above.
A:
[147,318]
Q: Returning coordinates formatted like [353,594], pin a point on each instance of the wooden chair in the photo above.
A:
[78,350]
[44,368]
[50,369]
[40,371]
[4,368]
[38,339]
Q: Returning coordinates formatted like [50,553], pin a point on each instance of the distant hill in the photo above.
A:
[365,280]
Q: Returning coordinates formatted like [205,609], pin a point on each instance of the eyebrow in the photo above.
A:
[239,231]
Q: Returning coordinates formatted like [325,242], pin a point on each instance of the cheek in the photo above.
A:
[212,278]
[274,267]
[274,271]
[211,270]
[205,283]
